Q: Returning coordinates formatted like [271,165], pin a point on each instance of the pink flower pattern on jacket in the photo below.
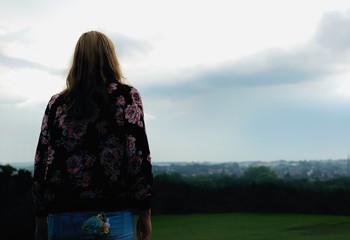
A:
[96,156]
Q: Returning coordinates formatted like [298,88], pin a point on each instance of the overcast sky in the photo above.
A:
[220,80]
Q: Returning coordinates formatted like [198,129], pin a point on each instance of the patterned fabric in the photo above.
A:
[100,163]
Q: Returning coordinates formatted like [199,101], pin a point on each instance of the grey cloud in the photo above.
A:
[265,69]
[126,45]
[15,36]
[272,67]
[334,32]
[316,59]
[19,63]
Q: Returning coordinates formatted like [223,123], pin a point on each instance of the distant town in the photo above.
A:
[301,169]
[306,169]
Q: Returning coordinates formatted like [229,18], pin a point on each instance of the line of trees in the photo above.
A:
[258,190]
[16,207]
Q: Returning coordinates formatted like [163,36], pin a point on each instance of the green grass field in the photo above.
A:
[243,226]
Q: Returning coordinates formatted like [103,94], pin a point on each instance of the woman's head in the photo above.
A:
[94,62]
[94,65]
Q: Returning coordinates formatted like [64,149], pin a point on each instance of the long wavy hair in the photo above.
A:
[94,66]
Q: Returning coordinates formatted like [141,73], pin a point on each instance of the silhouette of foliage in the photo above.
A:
[258,190]
[7,169]
[16,209]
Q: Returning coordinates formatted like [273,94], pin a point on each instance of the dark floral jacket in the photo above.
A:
[100,163]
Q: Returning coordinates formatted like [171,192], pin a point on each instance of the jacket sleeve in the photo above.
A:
[43,156]
[139,169]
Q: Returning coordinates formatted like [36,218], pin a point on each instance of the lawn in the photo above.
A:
[243,226]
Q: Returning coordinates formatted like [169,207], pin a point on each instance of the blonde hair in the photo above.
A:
[94,65]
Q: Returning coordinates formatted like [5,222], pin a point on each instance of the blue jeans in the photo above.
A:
[67,226]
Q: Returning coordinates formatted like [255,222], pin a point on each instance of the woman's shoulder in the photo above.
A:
[128,88]
[121,89]
[55,99]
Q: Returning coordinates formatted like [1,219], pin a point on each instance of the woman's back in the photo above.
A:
[93,163]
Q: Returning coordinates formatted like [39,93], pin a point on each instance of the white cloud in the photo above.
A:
[29,85]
